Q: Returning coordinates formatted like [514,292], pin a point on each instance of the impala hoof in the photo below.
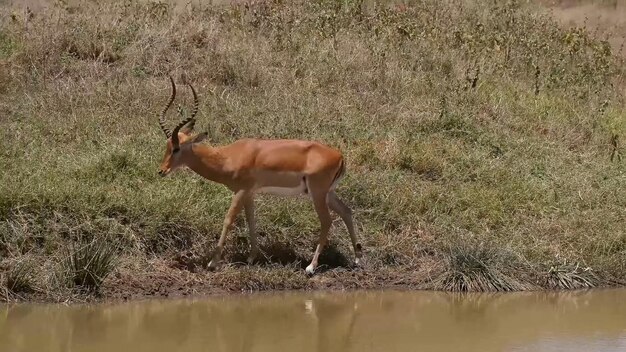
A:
[310,270]
[212,265]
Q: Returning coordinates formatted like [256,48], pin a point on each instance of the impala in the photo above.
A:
[251,166]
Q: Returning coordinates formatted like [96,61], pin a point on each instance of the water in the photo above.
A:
[358,321]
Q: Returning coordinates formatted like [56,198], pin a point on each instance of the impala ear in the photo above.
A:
[199,138]
[189,128]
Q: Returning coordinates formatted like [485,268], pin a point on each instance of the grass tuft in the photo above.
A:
[20,277]
[89,264]
[479,268]
[570,276]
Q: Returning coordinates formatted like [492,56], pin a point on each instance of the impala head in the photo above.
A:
[180,139]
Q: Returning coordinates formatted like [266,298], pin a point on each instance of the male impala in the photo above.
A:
[250,166]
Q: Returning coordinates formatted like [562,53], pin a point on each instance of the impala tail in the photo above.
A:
[339,174]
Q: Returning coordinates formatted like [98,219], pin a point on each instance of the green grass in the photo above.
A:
[474,121]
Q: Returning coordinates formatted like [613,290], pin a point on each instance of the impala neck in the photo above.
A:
[207,162]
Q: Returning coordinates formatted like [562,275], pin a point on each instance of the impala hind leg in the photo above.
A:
[345,213]
[254,245]
[235,207]
[321,207]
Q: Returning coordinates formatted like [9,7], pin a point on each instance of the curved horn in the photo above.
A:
[191,119]
[167,132]
[195,107]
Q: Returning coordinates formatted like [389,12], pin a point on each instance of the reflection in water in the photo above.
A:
[358,321]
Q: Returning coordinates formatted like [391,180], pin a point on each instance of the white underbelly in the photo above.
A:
[281,183]
[283,191]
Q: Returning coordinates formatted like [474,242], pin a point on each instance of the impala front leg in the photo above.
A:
[235,207]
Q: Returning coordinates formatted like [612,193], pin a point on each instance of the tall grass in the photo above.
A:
[481,120]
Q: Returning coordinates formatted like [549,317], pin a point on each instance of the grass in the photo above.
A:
[89,265]
[477,268]
[462,124]
[570,276]
[19,278]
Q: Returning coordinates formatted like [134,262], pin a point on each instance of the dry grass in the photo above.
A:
[20,278]
[607,19]
[474,120]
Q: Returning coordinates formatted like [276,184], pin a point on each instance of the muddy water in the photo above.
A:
[361,321]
